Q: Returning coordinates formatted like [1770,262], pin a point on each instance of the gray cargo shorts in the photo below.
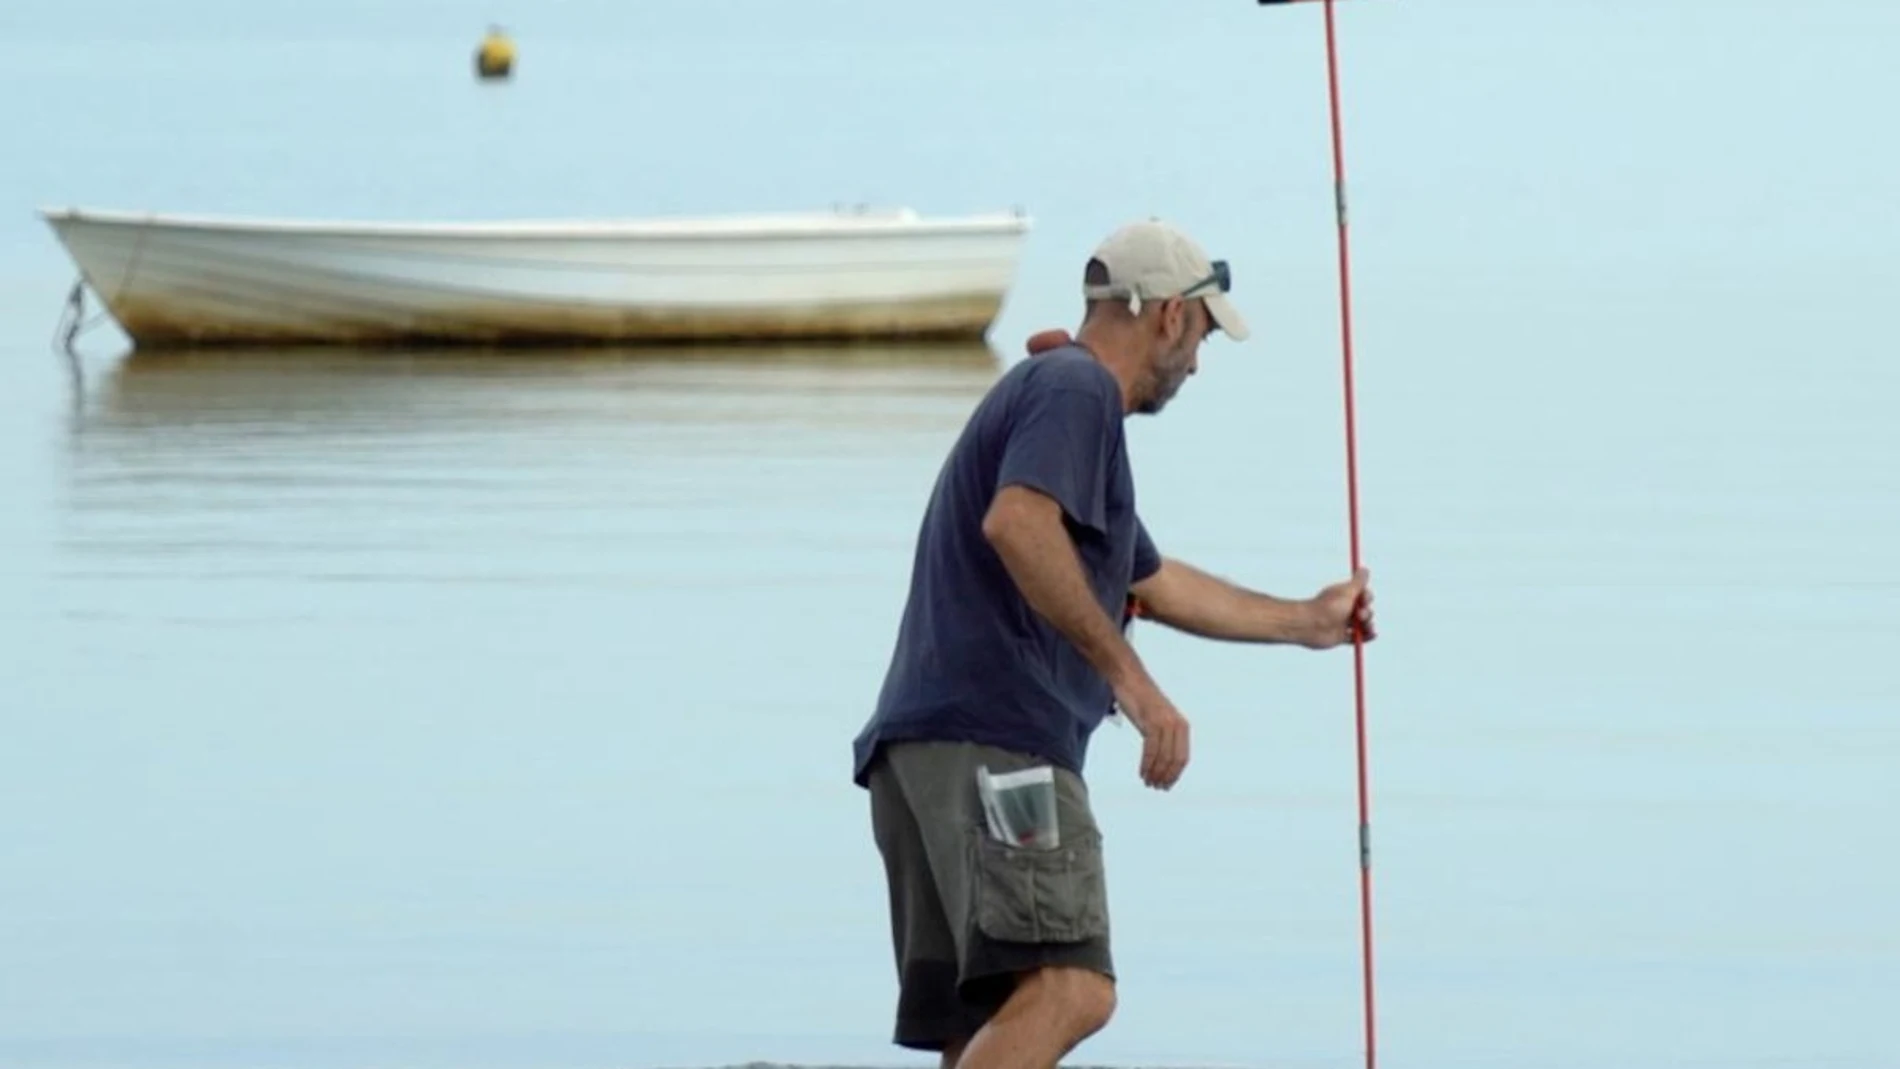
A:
[968,913]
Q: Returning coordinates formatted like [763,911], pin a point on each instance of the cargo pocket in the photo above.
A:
[1027,895]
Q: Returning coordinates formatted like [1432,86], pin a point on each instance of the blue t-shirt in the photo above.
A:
[974,661]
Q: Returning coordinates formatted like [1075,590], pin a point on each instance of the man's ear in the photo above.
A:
[1172,317]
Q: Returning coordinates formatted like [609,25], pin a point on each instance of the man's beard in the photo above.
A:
[1163,383]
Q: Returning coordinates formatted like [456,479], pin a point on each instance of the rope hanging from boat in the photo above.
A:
[73,321]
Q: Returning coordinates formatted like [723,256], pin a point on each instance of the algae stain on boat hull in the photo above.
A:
[156,324]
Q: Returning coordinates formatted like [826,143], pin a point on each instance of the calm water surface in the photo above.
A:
[432,710]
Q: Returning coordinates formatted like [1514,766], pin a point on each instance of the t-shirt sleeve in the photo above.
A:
[1147,557]
[1060,443]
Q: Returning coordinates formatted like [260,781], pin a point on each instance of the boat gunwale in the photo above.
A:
[899,223]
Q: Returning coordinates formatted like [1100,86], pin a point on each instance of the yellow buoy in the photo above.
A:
[496,56]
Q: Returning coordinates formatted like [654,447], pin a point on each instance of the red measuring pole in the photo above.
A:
[1352,514]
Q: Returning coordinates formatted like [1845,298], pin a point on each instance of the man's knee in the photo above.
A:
[1082,999]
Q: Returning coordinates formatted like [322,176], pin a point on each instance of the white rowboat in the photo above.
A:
[180,281]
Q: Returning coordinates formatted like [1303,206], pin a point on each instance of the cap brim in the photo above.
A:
[1226,316]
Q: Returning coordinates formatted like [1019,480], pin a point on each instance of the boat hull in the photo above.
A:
[179,282]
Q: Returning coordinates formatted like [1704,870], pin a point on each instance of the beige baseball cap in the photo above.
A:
[1153,260]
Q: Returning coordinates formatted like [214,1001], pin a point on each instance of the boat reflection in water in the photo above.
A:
[272,420]
[279,394]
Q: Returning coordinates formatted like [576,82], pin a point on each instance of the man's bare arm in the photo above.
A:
[1026,529]
[1190,600]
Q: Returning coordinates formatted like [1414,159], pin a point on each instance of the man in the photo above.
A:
[1011,651]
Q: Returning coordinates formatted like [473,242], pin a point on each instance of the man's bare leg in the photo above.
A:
[951,1052]
[1051,1011]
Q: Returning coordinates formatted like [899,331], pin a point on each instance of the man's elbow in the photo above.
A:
[999,523]
[1158,592]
